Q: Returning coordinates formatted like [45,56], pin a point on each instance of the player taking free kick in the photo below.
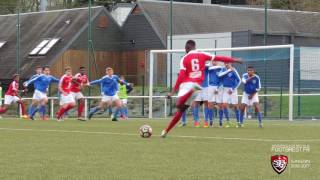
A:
[191,75]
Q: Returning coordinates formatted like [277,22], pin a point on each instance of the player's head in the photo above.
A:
[46,70]
[228,65]
[68,71]
[16,77]
[38,69]
[82,70]
[122,77]
[214,63]
[250,70]
[109,71]
[190,45]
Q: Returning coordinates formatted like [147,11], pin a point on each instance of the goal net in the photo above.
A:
[278,66]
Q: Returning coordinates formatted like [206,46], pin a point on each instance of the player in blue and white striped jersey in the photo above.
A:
[41,83]
[214,89]
[252,85]
[230,82]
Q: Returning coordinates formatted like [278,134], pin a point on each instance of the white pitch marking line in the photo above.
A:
[190,137]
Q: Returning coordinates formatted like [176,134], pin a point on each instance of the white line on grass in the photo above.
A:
[176,136]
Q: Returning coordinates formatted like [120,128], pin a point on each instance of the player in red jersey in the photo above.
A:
[67,101]
[191,75]
[12,95]
[79,80]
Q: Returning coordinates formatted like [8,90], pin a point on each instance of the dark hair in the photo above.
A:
[250,67]
[38,67]
[45,67]
[81,67]
[190,45]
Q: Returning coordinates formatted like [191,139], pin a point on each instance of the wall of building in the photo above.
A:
[130,63]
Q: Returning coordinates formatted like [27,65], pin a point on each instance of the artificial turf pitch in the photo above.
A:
[101,149]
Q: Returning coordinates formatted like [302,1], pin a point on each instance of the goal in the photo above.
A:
[274,64]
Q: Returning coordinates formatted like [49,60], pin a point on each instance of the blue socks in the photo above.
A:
[117,112]
[206,114]
[184,118]
[226,113]
[210,114]
[259,117]
[42,110]
[195,113]
[237,113]
[92,111]
[220,117]
[241,117]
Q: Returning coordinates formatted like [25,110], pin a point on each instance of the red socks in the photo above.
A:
[181,102]
[3,110]
[174,120]
[80,108]
[62,110]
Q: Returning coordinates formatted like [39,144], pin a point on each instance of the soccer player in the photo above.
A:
[35,102]
[214,89]
[12,95]
[67,101]
[230,82]
[191,75]
[41,83]
[124,90]
[252,85]
[109,86]
[79,80]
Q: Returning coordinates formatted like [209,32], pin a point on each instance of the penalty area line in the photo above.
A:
[174,136]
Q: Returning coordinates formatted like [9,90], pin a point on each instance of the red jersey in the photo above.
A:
[13,89]
[65,83]
[194,64]
[80,81]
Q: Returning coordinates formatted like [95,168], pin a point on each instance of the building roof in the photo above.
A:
[66,24]
[191,18]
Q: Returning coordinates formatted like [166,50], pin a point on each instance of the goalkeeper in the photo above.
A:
[124,90]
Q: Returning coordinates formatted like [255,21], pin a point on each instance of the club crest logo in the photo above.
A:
[279,163]
[230,74]
[254,81]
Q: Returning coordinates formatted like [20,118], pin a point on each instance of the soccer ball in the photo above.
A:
[145,131]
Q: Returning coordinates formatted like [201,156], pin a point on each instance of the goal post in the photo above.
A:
[290,47]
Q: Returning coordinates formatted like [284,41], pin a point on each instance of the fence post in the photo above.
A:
[85,108]
[142,108]
[51,108]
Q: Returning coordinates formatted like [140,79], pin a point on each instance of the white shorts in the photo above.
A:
[215,94]
[202,95]
[249,102]
[38,95]
[230,98]
[184,88]
[9,99]
[109,98]
[124,101]
[77,95]
[66,99]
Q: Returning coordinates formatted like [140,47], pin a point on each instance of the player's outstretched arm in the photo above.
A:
[227,59]
[54,79]
[98,81]
[31,80]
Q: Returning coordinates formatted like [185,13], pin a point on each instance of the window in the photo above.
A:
[2,43]
[44,47]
